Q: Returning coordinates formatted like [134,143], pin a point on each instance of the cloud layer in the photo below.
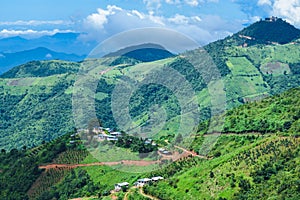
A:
[29,33]
[113,19]
[202,20]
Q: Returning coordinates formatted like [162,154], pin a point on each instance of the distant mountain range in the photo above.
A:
[60,42]
[15,51]
[10,60]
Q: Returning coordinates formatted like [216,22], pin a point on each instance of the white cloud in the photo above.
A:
[137,13]
[97,20]
[172,1]
[156,19]
[152,5]
[203,29]
[179,19]
[286,9]
[29,33]
[192,2]
[34,23]
[290,10]
[196,18]
[264,2]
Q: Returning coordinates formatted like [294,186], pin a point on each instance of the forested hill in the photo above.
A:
[270,30]
[244,165]
[280,113]
[42,69]
[37,96]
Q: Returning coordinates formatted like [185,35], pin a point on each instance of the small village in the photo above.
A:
[107,134]
[140,183]
[102,134]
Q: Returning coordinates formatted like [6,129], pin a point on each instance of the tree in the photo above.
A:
[211,174]
[179,138]
[244,184]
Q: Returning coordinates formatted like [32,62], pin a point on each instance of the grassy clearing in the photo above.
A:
[109,153]
[107,177]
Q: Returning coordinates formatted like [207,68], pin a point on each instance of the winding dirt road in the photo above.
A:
[146,195]
[123,162]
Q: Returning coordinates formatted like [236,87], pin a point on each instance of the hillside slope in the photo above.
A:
[242,166]
[37,96]
[247,163]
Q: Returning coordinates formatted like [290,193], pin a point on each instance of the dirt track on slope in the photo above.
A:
[123,162]
[146,195]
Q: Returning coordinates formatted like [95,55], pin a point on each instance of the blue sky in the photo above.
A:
[203,20]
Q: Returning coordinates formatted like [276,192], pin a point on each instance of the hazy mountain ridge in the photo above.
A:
[60,42]
[9,60]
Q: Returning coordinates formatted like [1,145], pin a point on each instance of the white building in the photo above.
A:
[157,178]
[120,186]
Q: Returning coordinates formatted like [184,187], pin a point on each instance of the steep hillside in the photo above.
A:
[245,165]
[247,161]
[279,113]
[37,96]
[35,110]
[252,167]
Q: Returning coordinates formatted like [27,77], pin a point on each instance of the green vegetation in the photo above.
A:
[250,166]
[34,110]
[37,96]
[73,185]
[234,175]
[21,166]
[41,69]
[278,113]
[257,157]
[135,144]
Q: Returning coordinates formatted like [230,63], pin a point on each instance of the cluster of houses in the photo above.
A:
[139,183]
[106,134]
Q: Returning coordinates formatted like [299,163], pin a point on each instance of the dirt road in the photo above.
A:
[123,162]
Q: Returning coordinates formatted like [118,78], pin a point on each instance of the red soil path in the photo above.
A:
[123,162]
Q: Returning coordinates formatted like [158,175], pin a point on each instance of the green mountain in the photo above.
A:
[249,161]
[37,97]
[242,165]
[42,69]
[269,31]
[36,103]
[145,52]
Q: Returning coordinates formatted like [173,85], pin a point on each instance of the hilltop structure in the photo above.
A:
[272,19]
